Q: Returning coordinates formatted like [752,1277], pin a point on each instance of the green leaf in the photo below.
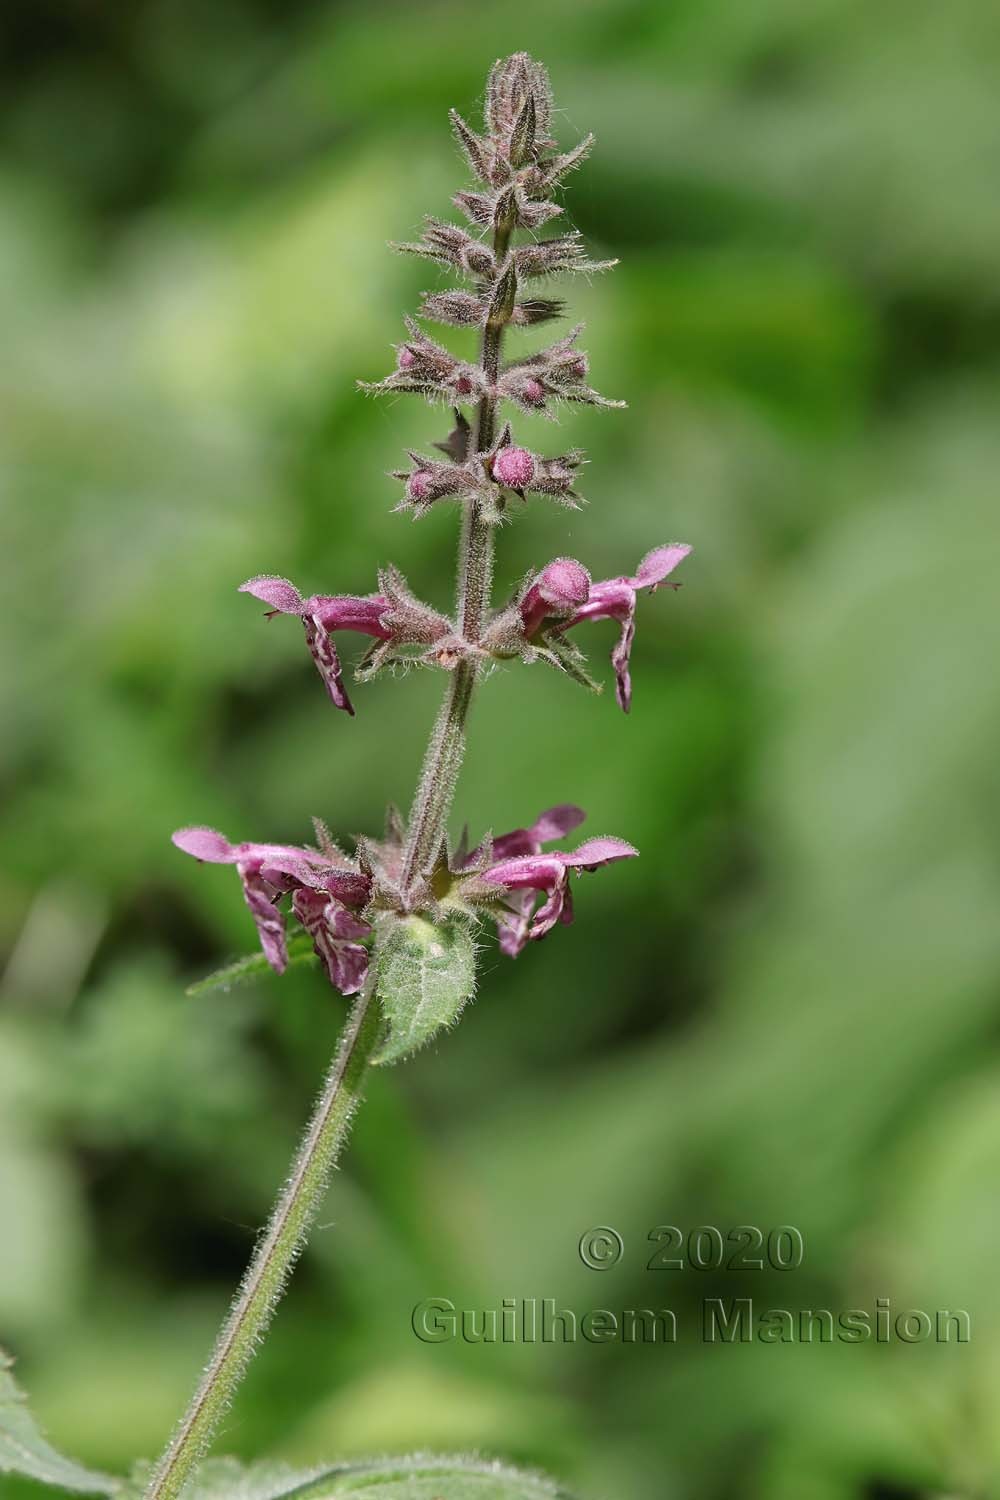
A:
[300,951]
[421,1477]
[425,972]
[23,1449]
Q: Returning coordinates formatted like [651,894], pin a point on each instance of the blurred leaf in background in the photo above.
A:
[785,1011]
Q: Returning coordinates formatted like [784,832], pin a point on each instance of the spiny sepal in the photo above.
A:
[469,310]
[450,245]
[553,257]
[557,373]
[429,369]
[474,148]
[508,208]
[556,650]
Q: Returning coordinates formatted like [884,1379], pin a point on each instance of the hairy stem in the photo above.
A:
[276,1253]
[446,747]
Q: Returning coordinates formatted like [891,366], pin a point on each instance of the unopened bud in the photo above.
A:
[514,467]
[420,485]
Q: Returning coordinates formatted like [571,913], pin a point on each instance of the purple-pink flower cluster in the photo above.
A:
[333,898]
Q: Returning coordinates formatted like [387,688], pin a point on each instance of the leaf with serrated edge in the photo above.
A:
[421,1477]
[243,970]
[23,1449]
[425,972]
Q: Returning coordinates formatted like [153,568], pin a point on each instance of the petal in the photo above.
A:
[552,911]
[282,868]
[277,592]
[205,844]
[270,922]
[657,564]
[599,851]
[346,963]
[556,821]
[512,923]
[613,599]
[565,583]
[620,654]
[350,967]
[539,872]
[324,654]
[512,931]
[349,886]
[344,924]
[350,612]
[510,845]
[551,824]
[562,587]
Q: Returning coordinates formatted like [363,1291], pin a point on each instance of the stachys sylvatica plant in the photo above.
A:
[394,923]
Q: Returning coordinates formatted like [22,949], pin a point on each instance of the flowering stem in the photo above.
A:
[276,1253]
[446,747]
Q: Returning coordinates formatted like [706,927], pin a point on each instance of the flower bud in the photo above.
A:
[514,467]
[430,480]
[513,80]
[420,485]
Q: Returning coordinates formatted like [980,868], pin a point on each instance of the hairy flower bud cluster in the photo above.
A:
[516,164]
[484,477]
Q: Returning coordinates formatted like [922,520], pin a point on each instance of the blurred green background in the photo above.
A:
[786,1011]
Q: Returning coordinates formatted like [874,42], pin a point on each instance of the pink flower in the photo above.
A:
[523,874]
[325,898]
[321,614]
[557,592]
